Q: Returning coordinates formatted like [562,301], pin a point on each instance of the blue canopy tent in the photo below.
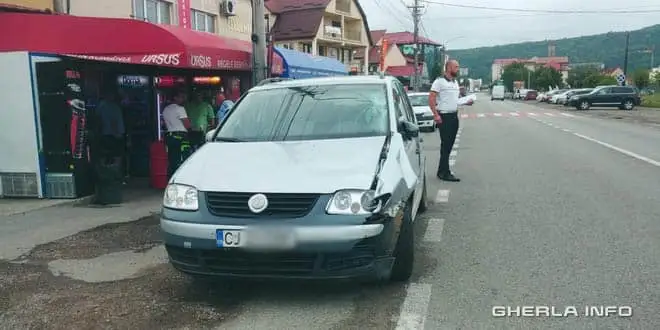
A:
[299,65]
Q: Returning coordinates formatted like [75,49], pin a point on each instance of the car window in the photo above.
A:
[398,105]
[604,91]
[309,113]
[419,100]
[622,90]
[407,108]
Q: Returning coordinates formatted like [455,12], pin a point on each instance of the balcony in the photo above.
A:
[332,32]
[353,35]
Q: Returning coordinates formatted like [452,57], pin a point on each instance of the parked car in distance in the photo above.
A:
[531,95]
[559,98]
[321,178]
[574,92]
[550,94]
[424,115]
[497,93]
[622,97]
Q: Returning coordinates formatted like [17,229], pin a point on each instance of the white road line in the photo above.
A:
[515,114]
[456,145]
[623,151]
[566,130]
[567,114]
[497,114]
[532,113]
[550,114]
[453,153]
[481,115]
[434,230]
[415,307]
[452,162]
[442,196]
[464,116]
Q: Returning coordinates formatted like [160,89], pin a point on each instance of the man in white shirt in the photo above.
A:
[443,101]
[177,125]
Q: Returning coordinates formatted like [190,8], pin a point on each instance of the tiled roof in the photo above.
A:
[407,38]
[299,24]
[297,18]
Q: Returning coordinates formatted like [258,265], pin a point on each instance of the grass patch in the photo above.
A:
[651,101]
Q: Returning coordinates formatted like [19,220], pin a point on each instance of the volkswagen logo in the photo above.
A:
[258,203]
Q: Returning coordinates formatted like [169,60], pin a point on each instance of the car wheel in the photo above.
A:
[584,105]
[404,252]
[628,105]
[423,205]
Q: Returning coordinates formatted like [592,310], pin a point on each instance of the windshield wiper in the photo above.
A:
[228,139]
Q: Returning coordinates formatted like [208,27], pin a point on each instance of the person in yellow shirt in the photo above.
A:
[201,116]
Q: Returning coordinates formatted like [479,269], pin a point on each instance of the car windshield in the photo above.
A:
[308,113]
[419,100]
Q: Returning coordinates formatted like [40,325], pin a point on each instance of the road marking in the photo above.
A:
[481,115]
[566,130]
[515,114]
[442,196]
[532,113]
[567,114]
[464,115]
[497,114]
[623,151]
[434,230]
[415,307]
[452,162]
[549,114]
[456,145]
[453,153]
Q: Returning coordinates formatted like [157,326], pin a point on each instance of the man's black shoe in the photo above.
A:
[449,177]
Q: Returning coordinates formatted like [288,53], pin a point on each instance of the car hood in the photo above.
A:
[315,166]
[422,110]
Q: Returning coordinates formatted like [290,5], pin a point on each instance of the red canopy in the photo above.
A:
[122,40]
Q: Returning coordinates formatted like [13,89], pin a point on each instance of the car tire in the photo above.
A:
[584,105]
[423,204]
[628,105]
[404,252]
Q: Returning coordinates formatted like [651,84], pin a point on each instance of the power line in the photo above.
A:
[505,16]
[547,11]
[392,14]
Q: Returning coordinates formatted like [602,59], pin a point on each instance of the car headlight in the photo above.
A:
[353,202]
[181,197]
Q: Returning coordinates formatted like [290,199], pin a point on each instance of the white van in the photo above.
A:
[498,93]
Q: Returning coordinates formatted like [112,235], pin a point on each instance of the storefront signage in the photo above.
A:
[132,81]
[201,61]
[184,13]
[232,64]
[168,81]
[162,59]
[207,80]
[236,24]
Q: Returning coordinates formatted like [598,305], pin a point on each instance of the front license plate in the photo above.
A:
[229,238]
[270,238]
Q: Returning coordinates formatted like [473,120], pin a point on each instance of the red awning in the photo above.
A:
[122,40]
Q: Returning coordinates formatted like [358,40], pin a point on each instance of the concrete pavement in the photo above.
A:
[552,211]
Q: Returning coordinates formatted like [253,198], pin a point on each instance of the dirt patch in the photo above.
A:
[32,298]
[639,115]
[142,234]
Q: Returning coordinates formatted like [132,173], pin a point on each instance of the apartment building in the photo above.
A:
[559,63]
[331,28]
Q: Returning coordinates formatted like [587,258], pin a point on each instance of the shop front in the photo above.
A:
[299,65]
[59,67]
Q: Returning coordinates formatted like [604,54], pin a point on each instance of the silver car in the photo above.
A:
[311,178]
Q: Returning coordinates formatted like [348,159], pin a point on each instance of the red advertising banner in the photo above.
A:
[184,13]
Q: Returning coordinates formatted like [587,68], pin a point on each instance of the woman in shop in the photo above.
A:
[178,126]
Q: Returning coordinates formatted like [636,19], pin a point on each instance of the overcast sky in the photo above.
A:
[467,28]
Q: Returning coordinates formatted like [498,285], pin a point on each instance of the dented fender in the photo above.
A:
[396,178]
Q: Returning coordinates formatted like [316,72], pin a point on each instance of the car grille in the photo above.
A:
[232,204]
[240,262]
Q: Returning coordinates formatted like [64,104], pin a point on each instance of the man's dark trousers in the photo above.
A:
[448,131]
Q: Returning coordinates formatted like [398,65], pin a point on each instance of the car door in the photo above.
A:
[602,97]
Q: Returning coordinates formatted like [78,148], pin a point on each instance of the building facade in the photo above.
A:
[393,55]
[559,63]
[331,28]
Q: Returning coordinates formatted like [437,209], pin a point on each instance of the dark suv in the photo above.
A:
[623,97]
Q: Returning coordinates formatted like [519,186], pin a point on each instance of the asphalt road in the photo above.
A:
[554,210]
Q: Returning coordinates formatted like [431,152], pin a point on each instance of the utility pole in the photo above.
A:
[416,19]
[258,42]
[625,58]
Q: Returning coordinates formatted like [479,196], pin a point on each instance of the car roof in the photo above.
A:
[336,80]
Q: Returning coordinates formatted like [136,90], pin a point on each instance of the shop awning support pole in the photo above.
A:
[259,66]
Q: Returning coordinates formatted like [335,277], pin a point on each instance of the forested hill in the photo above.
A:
[607,48]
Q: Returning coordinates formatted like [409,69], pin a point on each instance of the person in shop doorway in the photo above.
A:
[201,117]
[225,105]
[178,125]
[113,131]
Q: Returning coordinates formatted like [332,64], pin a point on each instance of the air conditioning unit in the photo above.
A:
[228,7]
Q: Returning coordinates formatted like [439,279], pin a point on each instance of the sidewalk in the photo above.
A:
[21,229]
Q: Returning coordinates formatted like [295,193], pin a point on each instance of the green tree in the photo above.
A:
[607,80]
[576,77]
[641,78]
[514,72]
[656,79]
[546,76]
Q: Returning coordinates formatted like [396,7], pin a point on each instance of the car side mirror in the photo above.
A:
[209,135]
[408,129]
